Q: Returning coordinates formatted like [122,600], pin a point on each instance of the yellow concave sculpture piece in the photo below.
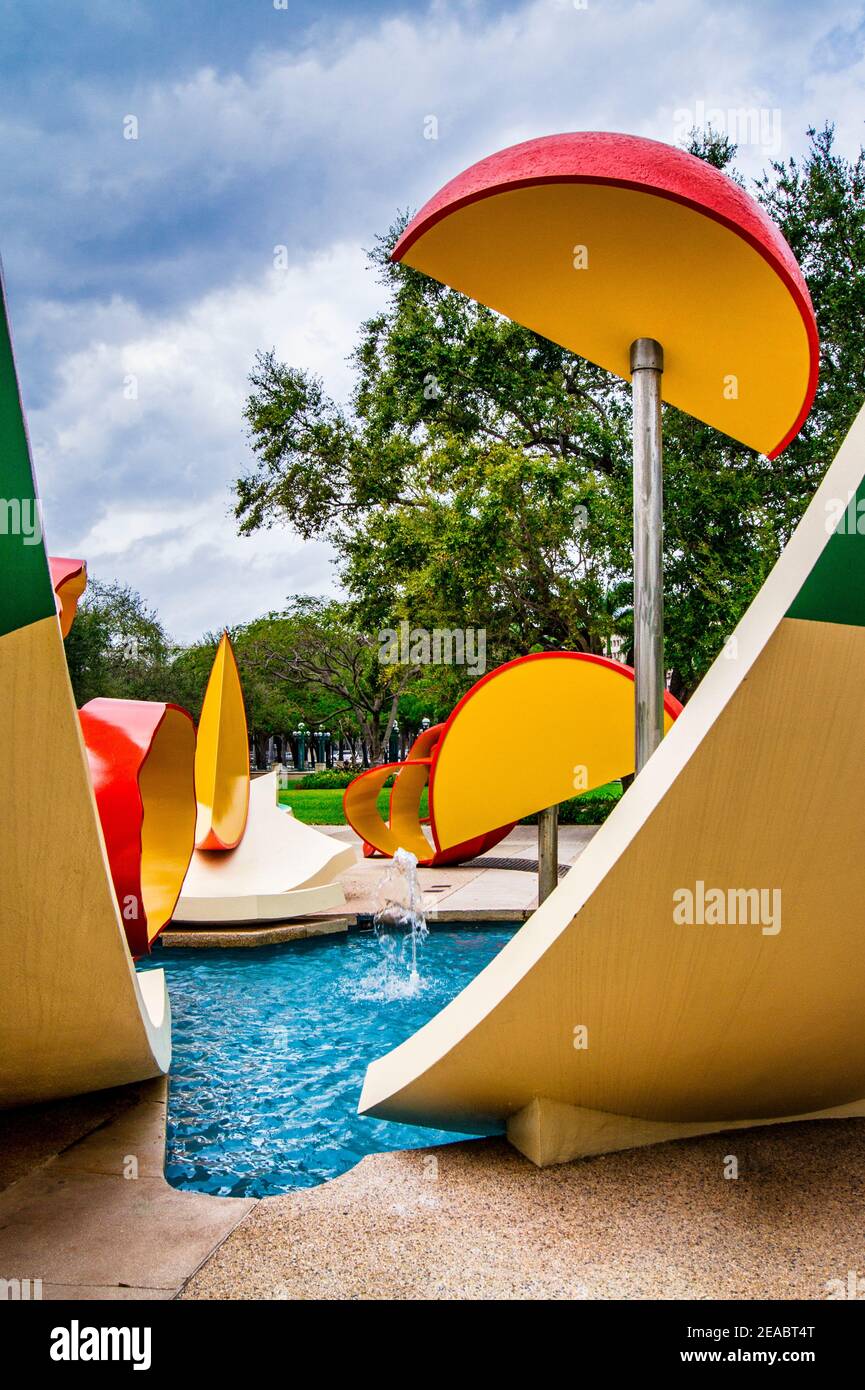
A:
[222,757]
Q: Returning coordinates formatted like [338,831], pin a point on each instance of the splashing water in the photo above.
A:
[400,925]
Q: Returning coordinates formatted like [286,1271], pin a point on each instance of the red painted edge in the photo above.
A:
[672,706]
[427,738]
[479,843]
[118,738]
[647,166]
[63,569]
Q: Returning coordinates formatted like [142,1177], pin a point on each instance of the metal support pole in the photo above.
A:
[647,366]
[548,852]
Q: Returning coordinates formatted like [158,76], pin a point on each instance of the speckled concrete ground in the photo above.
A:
[475,1220]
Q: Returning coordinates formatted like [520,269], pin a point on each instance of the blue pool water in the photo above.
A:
[271,1046]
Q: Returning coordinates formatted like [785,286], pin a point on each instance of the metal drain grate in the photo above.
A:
[529,866]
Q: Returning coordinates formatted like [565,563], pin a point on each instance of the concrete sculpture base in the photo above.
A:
[548,1131]
[280,869]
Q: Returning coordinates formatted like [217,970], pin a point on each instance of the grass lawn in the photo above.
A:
[324,807]
[317,807]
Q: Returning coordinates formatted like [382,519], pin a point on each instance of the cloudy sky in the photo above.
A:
[148,264]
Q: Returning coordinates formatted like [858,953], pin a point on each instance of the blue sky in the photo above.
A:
[147,265]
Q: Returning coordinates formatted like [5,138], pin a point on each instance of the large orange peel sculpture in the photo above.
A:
[595,240]
[222,756]
[476,795]
[141,756]
[69,580]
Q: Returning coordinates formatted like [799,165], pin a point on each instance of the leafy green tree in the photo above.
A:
[459,492]
[117,646]
[327,670]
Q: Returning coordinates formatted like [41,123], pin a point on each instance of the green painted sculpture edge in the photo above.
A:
[834,591]
[26,594]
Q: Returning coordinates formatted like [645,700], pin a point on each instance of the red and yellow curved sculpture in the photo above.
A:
[222,756]
[476,795]
[69,580]
[594,240]
[404,826]
[141,756]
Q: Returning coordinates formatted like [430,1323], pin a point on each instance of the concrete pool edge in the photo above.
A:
[239,935]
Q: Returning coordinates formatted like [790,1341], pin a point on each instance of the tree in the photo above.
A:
[463,420]
[117,646]
[327,669]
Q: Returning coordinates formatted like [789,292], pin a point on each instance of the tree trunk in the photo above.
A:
[259,742]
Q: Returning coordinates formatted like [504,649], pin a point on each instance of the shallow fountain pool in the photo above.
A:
[271,1046]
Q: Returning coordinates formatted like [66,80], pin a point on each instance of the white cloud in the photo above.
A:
[140,487]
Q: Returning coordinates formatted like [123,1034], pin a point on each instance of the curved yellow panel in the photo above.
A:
[361,811]
[168,817]
[222,756]
[750,385]
[595,239]
[142,755]
[586,703]
[74,1016]
[407,790]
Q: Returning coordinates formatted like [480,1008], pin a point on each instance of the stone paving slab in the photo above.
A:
[34,1134]
[76,1221]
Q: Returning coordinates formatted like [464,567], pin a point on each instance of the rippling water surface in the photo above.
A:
[271,1046]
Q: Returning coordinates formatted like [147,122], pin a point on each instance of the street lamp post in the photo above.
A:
[300,734]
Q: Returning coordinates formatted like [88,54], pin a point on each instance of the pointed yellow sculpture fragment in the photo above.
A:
[222,757]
